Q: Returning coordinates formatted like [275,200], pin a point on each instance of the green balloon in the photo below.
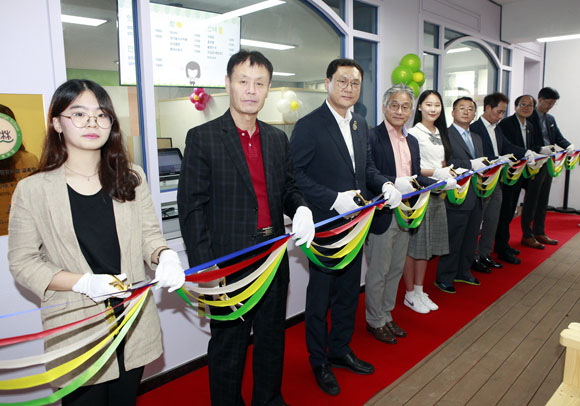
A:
[415,86]
[401,74]
[411,61]
[419,77]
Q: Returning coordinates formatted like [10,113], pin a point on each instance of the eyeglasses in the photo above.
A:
[525,106]
[81,119]
[343,84]
[394,107]
[468,109]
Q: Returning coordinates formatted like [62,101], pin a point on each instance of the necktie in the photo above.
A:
[545,135]
[469,143]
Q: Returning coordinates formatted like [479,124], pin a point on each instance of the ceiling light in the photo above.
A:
[559,38]
[241,12]
[283,74]
[93,22]
[268,45]
[457,50]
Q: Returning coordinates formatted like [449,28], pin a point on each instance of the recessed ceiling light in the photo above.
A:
[559,38]
[457,50]
[93,22]
[268,45]
[241,12]
[283,74]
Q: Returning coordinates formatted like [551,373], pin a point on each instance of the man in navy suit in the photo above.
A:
[463,220]
[396,155]
[235,186]
[332,161]
[494,145]
[547,134]
[518,130]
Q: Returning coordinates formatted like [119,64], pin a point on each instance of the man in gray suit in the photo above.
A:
[463,220]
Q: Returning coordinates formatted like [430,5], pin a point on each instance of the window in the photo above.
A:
[365,53]
[430,35]
[337,6]
[365,17]
[430,70]
[92,53]
[468,70]
[507,57]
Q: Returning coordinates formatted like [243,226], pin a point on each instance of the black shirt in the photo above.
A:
[96,232]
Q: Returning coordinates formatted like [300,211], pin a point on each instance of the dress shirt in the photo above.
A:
[524,132]
[543,128]
[491,131]
[400,150]
[344,125]
[252,147]
[430,146]
[466,135]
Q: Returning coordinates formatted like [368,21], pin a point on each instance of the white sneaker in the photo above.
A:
[428,302]
[414,302]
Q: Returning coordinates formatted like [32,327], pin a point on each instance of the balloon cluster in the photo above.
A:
[199,98]
[289,106]
[409,73]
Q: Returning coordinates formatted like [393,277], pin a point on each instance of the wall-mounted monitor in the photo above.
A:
[190,47]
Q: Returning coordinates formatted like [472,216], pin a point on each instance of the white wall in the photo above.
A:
[562,61]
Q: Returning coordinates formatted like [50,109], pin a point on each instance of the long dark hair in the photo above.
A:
[116,176]
[440,123]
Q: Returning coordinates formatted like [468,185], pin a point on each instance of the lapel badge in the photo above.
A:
[354,125]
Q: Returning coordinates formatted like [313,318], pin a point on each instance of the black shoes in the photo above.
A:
[479,266]
[490,263]
[326,380]
[350,361]
[395,330]
[509,258]
[513,251]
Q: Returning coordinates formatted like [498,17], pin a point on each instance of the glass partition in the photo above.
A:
[468,70]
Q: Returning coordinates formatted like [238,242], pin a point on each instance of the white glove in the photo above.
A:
[403,184]
[546,150]
[451,184]
[570,150]
[391,195]
[100,287]
[345,202]
[477,163]
[169,272]
[442,173]
[303,226]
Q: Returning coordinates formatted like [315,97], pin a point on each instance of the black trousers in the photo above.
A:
[535,204]
[509,203]
[463,227]
[337,291]
[229,343]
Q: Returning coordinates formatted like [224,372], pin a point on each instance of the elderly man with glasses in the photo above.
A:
[396,155]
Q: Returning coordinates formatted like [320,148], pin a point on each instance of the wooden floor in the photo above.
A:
[508,355]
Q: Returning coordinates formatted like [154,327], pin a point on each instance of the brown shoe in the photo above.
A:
[382,334]
[544,239]
[532,243]
[396,330]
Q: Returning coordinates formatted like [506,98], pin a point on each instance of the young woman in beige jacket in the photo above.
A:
[85,216]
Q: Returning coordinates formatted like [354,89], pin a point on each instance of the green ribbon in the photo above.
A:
[347,258]
[90,371]
[246,307]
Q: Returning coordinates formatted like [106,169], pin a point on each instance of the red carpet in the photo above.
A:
[425,333]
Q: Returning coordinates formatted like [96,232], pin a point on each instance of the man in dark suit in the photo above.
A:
[463,220]
[494,145]
[547,135]
[518,130]
[396,155]
[332,160]
[236,183]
